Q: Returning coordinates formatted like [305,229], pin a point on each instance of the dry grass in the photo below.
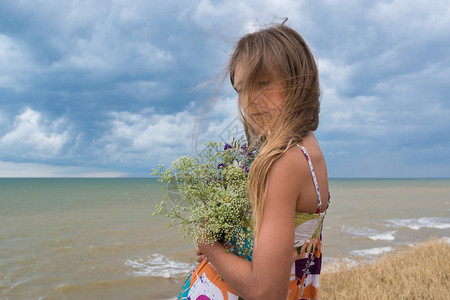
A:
[419,272]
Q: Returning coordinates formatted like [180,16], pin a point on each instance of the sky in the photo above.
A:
[107,88]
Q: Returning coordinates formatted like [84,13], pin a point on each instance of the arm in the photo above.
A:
[267,277]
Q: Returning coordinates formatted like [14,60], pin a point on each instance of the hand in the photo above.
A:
[200,255]
[208,250]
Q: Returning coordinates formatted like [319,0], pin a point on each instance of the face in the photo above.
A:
[266,99]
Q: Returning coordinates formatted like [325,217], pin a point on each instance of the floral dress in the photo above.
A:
[206,284]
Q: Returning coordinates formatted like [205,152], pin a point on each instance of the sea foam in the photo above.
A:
[418,223]
[369,233]
[158,265]
[387,236]
[371,251]
[363,231]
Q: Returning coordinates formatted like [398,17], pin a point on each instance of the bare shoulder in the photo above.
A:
[290,167]
[292,160]
[318,162]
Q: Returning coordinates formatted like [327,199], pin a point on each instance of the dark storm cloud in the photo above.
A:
[110,85]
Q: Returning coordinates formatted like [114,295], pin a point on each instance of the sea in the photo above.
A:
[70,238]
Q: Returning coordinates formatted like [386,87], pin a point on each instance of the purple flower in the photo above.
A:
[227,147]
[244,147]
[244,167]
[220,166]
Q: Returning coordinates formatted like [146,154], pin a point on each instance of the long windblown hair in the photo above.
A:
[276,55]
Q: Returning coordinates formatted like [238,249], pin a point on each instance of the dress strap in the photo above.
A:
[313,177]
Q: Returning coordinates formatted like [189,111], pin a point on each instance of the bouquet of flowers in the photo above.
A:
[210,201]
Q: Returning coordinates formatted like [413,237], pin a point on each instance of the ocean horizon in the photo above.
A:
[95,238]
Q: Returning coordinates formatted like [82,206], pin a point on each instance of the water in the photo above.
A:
[97,238]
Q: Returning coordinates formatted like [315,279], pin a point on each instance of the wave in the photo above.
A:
[356,258]
[369,233]
[333,264]
[158,265]
[371,251]
[418,223]
[388,236]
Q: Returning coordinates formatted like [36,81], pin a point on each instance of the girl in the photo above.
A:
[276,78]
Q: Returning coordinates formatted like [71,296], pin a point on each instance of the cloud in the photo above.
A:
[13,169]
[137,141]
[111,84]
[32,136]
[243,17]
[145,139]
[104,52]
[16,64]
[141,141]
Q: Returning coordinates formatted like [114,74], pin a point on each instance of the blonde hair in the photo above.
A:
[282,55]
